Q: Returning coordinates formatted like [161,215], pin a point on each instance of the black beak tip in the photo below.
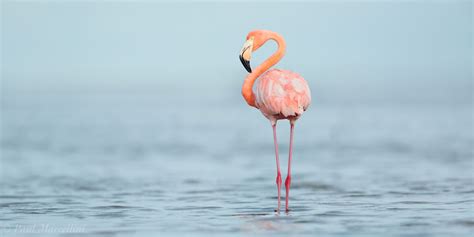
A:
[246,64]
[247,67]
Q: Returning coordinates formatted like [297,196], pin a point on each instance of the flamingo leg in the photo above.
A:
[288,178]
[278,178]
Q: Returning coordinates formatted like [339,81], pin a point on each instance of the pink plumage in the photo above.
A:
[282,94]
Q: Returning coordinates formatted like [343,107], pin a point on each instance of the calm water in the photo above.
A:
[139,164]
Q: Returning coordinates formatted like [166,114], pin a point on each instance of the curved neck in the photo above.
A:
[247,90]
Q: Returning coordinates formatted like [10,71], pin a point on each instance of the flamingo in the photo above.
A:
[280,94]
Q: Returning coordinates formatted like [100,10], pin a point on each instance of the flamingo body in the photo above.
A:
[282,94]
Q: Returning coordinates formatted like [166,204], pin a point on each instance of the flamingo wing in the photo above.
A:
[282,94]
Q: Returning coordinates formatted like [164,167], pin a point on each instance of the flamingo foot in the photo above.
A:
[287,186]
[278,182]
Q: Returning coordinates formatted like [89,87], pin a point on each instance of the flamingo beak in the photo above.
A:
[245,54]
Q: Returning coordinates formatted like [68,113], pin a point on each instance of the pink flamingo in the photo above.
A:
[281,94]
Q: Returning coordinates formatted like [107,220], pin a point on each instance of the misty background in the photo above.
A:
[349,51]
[125,117]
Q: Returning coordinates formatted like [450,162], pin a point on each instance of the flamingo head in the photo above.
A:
[254,40]
[246,53]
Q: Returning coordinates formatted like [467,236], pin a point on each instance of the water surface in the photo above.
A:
[122,164]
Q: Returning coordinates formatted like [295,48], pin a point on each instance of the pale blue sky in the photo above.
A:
[356,49]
